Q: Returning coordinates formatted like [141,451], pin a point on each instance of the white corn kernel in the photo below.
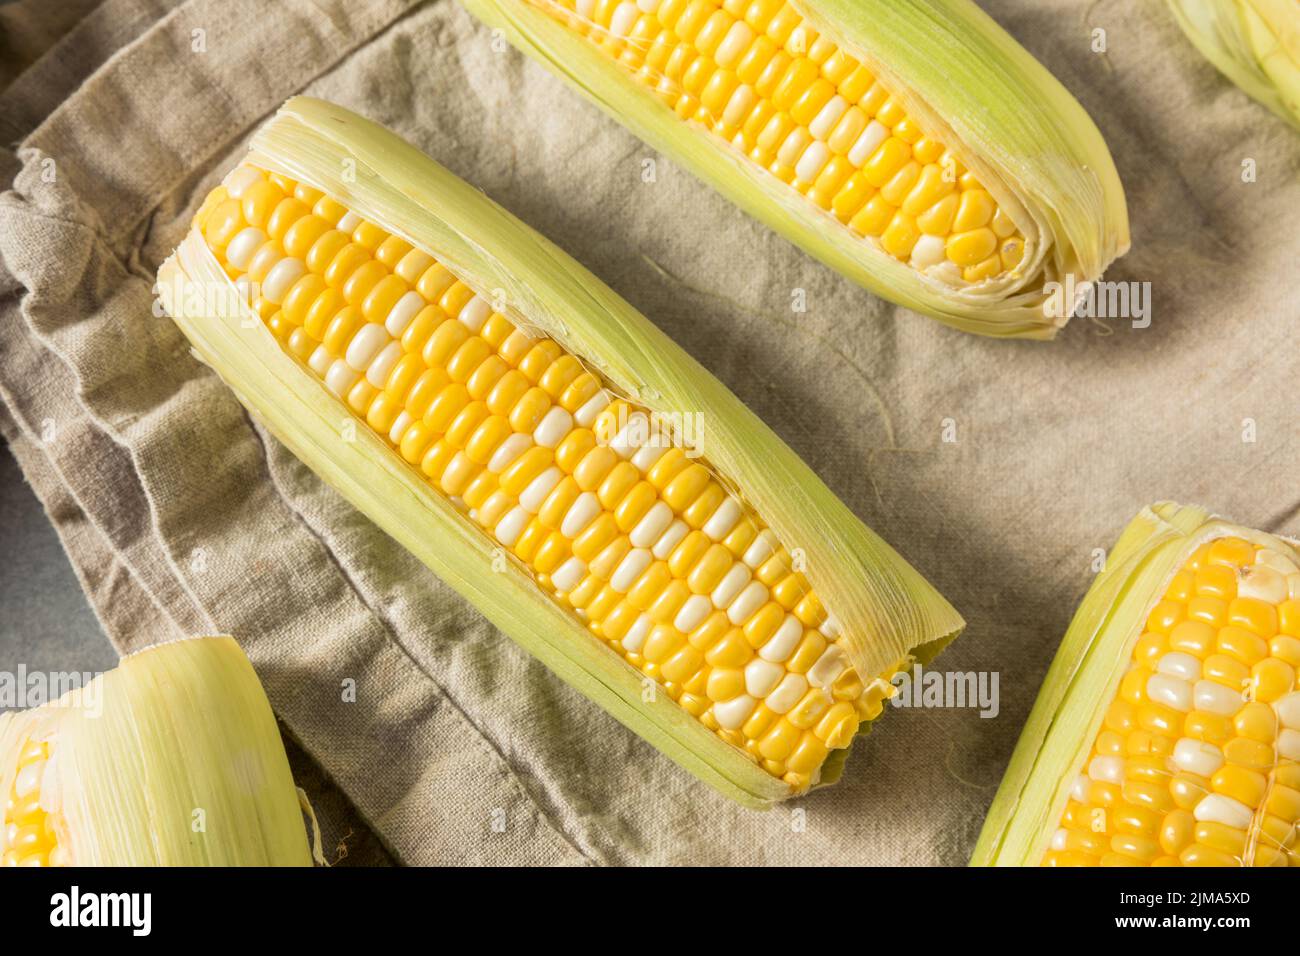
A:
[401,314]
[240,179]
[1288,744]
[534,496]
[733,45]
[1178,664]
[828,668]
[28,780]
[1216,808]
[787,693]
[1106,769]
[723,519]
[636,635]
[365,345]
[629,439]
[1079,789]
[624,19]
[1288,710]
[633,565]
[320,360]
[474,313]
[246,242]
[568,574]
[824,122]
[281,278]
[580,514]
[1263,584]
[692,613]
[382,366]
[585,415]
[731,584]
[400,424]
[1216,699]
[510,449]
[554,426]
[652,525]
[782,644]
[341,377]
[793,147]
[1197,756]
[761,676]
[647,455]
[868,142]
[747,602]
[670,539]
[929,251]
[761,548]
[732,714]
[1173,692]
[812,161]
[511,526]
[1266,557]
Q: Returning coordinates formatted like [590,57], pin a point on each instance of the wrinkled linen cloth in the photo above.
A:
[997,468]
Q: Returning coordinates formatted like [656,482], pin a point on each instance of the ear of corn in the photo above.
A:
[913,146]
[172,759]
[488,403]
[1254,43]
[1167,732]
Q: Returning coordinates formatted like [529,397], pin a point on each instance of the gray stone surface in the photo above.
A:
[45,621]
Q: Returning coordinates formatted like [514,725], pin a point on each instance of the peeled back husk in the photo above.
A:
[968,83]
[171,759]
[1254,43]
[885,607]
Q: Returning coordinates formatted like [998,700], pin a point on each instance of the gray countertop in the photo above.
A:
[45,621]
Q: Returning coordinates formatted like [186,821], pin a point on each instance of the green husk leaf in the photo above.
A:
[173,758]
[1254,43]
[968,82]
[887,609]
[1085,676]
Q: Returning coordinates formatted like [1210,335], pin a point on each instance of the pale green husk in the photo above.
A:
[967,81]
[887,609]
[172,759]
[1085,676]
[1254,43]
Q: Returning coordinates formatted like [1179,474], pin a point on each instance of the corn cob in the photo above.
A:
[913,146]
[172,759]
[1254,43]
[1168,731]
[510,405]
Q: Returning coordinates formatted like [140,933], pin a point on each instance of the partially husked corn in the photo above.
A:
[1198,761]
[916,148]
[759,77]
[1167,730]
[637,536]
[173,758]
[541,446]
